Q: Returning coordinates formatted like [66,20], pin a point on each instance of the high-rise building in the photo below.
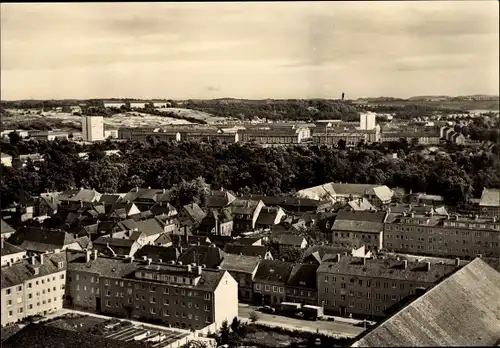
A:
[367,120]
[93,128]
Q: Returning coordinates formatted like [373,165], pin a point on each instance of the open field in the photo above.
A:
[67,121]
[199,115]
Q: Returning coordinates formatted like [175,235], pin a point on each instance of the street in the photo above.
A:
[339,328]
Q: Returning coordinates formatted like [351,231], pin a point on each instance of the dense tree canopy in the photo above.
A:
[183,168]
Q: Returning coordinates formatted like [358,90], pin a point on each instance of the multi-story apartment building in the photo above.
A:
[357,228]
[93,128]
[279,136]
[184,296]
[416,137]
[243,269]
[332,137]
[270,281]
[10,253]
[361,286]
[489,205]
[442,235]
[33,286]
[209,135]
[245,213]
[301,285]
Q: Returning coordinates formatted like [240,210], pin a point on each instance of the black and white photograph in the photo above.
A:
[251,174]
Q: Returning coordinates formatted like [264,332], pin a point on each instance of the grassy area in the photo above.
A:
[454,105]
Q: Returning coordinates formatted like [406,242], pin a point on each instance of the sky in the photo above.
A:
[252,50]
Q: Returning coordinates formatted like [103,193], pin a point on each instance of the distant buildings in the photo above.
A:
[489,205]
[367,120]
[92,128]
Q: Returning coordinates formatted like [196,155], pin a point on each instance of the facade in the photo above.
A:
[301,285]
[367,120]
[421,137]
[270,216]
[208,136]
[92,128]
[283,136]
[369,287]
[6,230]
[442,235]
[242,268]
[11,254]
[354,229]
[333,137]
[489,205]
[245,213]
[270,281]
[182,296]
[33,286]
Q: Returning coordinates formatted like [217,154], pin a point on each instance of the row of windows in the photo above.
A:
[360,282]
[391,227]
[269,287]
[30,306]
[29,285]
[153,288]
[354,235]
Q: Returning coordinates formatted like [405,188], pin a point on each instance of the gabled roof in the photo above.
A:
[288,201]
[273,271]
[303,276]
[290,239]
[165,209]
[150,227]
[382,192]
[127,225]
[248,250]
[83,195]
[6,228]
[268,215]
[240,263]
[359,221]
[219,199]
[490,198]
[194,211]
[164,238]
[244,206]
[110,199]
[114,242]
[22,271]
[462,310]
[40,239]
[157,253]
[9,249]
[208,255]
[50,199]
[360,204]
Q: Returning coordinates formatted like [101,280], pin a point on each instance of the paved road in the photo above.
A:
[329,327]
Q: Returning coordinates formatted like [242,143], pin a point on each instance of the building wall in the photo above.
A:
[486,211]
[37,296]
[301,295]
[244,283]
[225,301]
[269,293]
[92,128]
[372,241]
[343,294]
[84,289]
[11,258]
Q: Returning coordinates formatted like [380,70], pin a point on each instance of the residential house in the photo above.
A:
[350,138]
[6,160]
[38,240]
[250,240]
[270,281]
[183,296]
[209,135]
[369,287]
[289,241]
[46,204]
[489,205]
[111,199]
[245,213]
[360,204]
[427,199]
[11,253]
[121,210]
[434,235]
[270,216]
[296,205]
[284,136]
[242,268]
[301,285]
[217,222]
[152,229]
[191,215]
[6,230]
[145,198]
[470,292]
[208,255]
[70,197]
[32,286]
[164,240]
[108,245]
[248,250]
[158,253]
[323,253]
[357,228]
[219,199]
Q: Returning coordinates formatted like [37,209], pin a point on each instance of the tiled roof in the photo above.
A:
[150,227]
[240,263]
[305,203]
[267,216]
[6,228]
[195,212]
[303,276]
[43,336]
[247,240]
[104,266]
[208,255]
[323,250]
[359,221]
[50,199]
[127,225]
[22,271]
[249,250]
[166,209]
[490,198]
[157,253]
[360,204]
[219,199]
[273,271]
[290,240]
[462,310]
[244,206]
[83,195]
[382,192]
[40,239]
[117,242]
[164,238]
[110,199]
[387,269]
[9,249]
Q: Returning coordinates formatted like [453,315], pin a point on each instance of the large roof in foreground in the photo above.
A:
[462,310]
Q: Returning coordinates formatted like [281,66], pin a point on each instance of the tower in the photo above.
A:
[92,128]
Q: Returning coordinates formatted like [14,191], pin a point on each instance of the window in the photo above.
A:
[11,313]
[153,311]
[165,313]
[165,291]
[78,278]
[257,286]
[8,292]
[29,285]
[267,287]
[30,296]
[208,319]
[108,303]
[207,296]
[19,288]
[9,303]
[207,308]
[152,299]
[342,297]
[166,302]
[326,279]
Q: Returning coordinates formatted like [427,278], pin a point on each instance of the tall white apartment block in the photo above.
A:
[92,128]
[367,120]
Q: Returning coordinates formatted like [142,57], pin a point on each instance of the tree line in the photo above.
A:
[242,168]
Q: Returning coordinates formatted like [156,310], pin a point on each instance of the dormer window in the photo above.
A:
[60,265]
[36,270]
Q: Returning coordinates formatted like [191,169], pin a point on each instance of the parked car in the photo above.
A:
[267,309]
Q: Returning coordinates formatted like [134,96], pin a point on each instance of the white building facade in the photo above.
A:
[93,128]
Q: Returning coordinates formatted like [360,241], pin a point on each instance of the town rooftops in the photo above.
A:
[490,198]
[219,199]
[273,271]
[268,215]
[289,239]
[461,310]
[244,206]
[287,201]
[361,221]
[6,228]
[83,195]
[23,271]
[43,336]
[249,250]
[9,249]
[157,253]
[387,269]
[195,212]
[331,190]
[208,255]
[240,263]
[114,242]
[41,240]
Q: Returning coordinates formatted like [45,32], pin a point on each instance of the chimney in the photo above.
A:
[33,260]
[87,256]
[137,189]
[428,265]
[363,260]
[476,217]
[149,261]
[479,255]
[405,264]
[41,259]
[131,259]
[144,257]
[457,261]
[412,214]
[95,254]
[338,257]
[189,268]
[199,269]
